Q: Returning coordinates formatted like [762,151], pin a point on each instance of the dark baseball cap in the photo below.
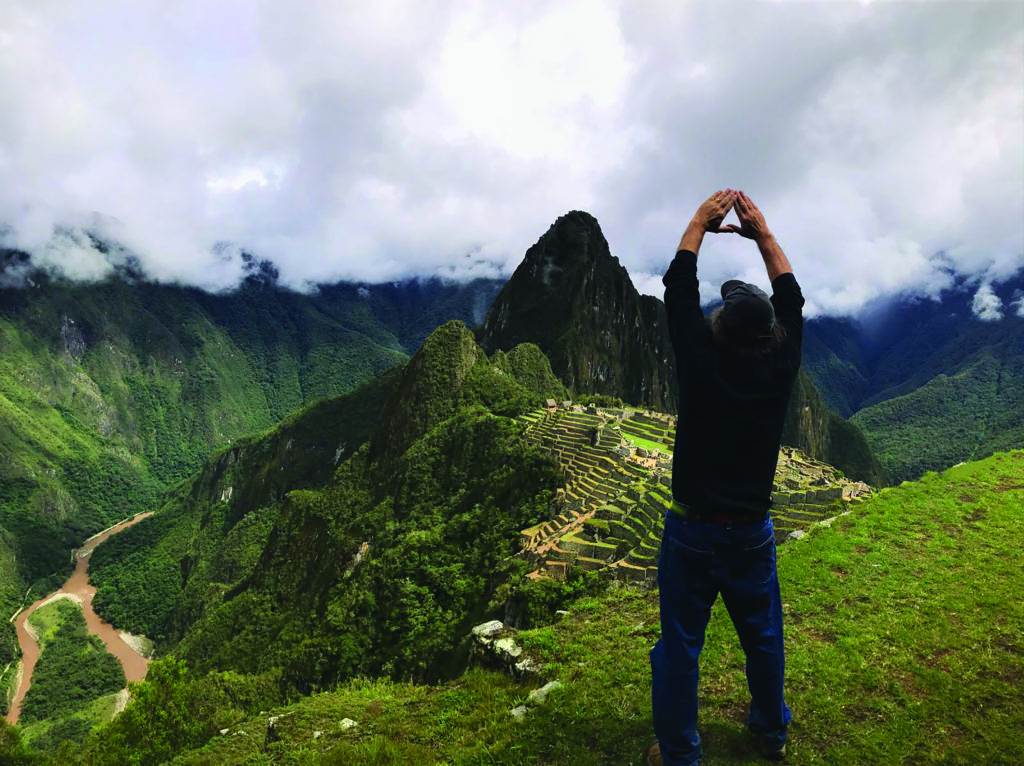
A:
[748,309]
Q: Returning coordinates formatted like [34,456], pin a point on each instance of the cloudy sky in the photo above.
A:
[883,141]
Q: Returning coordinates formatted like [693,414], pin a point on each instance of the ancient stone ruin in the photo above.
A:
[618,469]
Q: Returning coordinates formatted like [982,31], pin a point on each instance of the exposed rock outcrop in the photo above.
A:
[494,645]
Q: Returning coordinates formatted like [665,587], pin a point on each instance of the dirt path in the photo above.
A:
[77,588]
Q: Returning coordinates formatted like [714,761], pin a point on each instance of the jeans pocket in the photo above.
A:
[687,540]
[762,561]
[680,562]
[760,538]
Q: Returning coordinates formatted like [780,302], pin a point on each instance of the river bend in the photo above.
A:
[77,588]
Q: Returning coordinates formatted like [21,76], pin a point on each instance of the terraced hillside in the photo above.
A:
[618,469]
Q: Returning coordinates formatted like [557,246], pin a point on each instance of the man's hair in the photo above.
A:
[742,344]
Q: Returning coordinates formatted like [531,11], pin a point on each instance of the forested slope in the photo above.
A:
[362,536]
[112,391]
[928,382]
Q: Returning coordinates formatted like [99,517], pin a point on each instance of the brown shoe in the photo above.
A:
[654,755]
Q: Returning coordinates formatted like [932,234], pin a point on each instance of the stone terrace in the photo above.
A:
[618,471]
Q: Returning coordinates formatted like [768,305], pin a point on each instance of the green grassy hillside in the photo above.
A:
[902,633]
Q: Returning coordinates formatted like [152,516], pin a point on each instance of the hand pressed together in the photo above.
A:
[752,223]
[714,209]
[753,226]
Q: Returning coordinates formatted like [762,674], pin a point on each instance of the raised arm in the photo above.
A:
[787,297]
[753,226]
[775,261]
[708,217]
[682,296]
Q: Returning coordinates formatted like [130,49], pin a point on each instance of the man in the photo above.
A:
[736,370]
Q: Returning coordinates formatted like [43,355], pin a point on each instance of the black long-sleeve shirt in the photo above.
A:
[731,408]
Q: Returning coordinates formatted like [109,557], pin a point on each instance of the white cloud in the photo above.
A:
[237,180]
[647,284]
[987,306]
[1017,304]
[883,141]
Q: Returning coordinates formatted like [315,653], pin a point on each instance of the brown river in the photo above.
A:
[77,588]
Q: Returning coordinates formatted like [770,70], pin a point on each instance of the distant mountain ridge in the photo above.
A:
[929,382]
[574,299]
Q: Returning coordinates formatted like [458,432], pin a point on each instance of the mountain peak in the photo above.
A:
[574,237]
[573,298]
[576,219]
[424,395]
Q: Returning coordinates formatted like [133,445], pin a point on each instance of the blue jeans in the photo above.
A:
[699,560]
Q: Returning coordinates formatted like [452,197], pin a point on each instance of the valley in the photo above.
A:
[111,392]
[125,648]
[927,381]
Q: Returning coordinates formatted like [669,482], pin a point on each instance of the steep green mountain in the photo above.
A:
[875,675]
[928,382]
[156,578]
[972,412]
[572,298]
[363,536]
[112,391]
[835,358]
